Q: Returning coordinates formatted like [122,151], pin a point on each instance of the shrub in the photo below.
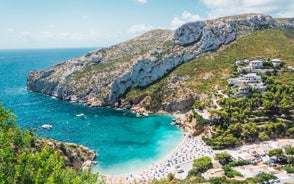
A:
[289,150]
[229,172]
[223,158]
[289,169]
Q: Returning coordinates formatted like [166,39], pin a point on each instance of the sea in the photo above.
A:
[124,142]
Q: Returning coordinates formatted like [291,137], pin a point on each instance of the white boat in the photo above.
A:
[47,127]
[80,115]
[83,116]
[138,115]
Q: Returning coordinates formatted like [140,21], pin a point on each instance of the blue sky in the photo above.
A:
[96,23]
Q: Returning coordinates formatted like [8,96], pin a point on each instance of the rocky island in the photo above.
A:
[105,76]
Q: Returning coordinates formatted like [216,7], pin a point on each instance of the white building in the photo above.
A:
[258,87]
[255,64]
[239,62]
[276,62]
[243,90]
[250,78]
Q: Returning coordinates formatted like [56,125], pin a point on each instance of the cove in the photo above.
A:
[124,142]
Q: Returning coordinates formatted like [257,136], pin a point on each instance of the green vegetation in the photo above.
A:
[257,116]
[289,150]
[224,180]
[213,69]
[289,169]
[290,160]
[20,162]
[200,165]
[223,158]
[200,120]
[261,177]
[238,163]
[229,172]
[276,152]
[242,120]
[198,105]
[286,161]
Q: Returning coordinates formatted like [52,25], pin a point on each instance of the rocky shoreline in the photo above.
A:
[74,155]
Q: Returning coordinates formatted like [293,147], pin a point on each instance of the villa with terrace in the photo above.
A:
[249,78]
[258,66]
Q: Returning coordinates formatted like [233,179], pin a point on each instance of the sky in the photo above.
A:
[100,23]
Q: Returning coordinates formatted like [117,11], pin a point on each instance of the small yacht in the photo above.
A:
[80,115]
[83,116]
[47,127]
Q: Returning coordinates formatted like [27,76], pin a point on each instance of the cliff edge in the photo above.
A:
[103,77]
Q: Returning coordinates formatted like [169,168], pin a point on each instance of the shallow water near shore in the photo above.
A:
[124,142]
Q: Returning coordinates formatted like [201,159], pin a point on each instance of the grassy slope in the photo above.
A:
[218,65]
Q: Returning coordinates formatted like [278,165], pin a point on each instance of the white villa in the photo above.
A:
[255,64]
[276,62]
[243,90]
[245,79]
[250,78]
[258,86]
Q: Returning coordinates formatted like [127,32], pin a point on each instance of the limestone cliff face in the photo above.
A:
[101,78]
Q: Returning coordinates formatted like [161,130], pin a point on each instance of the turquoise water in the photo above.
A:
[123,141]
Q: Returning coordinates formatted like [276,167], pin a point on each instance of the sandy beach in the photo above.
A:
[179,161]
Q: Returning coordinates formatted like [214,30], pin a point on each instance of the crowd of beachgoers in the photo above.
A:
[188,150]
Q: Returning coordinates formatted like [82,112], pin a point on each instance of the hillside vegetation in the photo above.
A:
[255,117]
[211,70]
[22,161]
[104,77]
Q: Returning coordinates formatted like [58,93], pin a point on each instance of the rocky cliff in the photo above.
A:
[103,77]
[74,155]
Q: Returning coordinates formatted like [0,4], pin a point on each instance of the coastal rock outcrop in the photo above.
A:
[103,77]
[74,155]
[210,35]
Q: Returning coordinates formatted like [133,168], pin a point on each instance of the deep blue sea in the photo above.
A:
[123,141]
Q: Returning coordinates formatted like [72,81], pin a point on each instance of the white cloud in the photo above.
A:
[185,17]
[176,22]
[85,16]
[139,28]
[142,1]
[189,16]
[218,8]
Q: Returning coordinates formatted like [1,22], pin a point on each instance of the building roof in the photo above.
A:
[213,173]
[275,60]
[255,61]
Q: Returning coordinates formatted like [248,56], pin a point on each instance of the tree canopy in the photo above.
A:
[20,162]
[258,116]
[223,158]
